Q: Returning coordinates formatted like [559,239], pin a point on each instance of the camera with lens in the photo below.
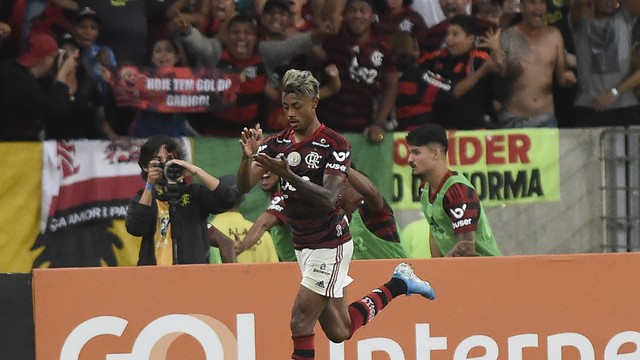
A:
[171,172]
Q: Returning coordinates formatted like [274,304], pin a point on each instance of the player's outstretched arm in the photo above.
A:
[372,197]
[324,197]
[224,244]
[264,222]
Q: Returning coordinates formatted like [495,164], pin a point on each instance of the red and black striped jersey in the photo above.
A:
[407,20]
[276,207]
[382,224]
[418,90]
[250,100]
[325,152]
[459,197]
[362,69]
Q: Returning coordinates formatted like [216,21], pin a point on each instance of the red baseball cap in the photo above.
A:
[40,46]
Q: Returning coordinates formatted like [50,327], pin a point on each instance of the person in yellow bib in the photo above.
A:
[234,225]
[458,223]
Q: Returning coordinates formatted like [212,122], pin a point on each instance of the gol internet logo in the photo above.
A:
[153,342]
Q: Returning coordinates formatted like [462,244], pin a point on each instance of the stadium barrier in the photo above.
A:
[519,307]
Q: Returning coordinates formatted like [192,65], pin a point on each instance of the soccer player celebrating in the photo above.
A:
[312,162]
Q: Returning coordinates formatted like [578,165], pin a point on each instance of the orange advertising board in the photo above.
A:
[519,307]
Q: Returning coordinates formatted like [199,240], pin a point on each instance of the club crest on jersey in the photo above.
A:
[376,58]
[294,158]
[313,160]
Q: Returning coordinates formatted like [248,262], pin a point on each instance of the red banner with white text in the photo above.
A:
[175,89]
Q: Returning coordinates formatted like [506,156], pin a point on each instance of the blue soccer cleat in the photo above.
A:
[415,285]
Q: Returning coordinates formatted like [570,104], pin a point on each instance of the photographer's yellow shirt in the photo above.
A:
[162,238]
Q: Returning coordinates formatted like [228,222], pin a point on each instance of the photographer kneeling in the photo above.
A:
[170,214]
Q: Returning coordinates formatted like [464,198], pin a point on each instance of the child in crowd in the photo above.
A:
[165,54]
[97,58]
[468,72]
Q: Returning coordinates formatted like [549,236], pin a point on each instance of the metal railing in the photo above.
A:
[620,170]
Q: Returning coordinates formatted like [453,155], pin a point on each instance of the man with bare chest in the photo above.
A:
[533,55]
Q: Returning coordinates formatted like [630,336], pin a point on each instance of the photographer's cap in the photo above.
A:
[40,46]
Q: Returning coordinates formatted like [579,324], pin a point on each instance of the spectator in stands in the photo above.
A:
[465,72]
[372,222]
[273,219]
[165,54]
[97,58]
[234,225]
[398,16]
[417,92]
[301,20]
[429,10]
[602,34]
[25,104]
[56,18]
[533,55]
[220,12]
[564,97]
[256,60]
[274,20]
[458,223]
[85,117]
[170,209]
[5,31]
[100,62]
[123,28]
[435,36]
[489,11]
[368,75]
[160,14]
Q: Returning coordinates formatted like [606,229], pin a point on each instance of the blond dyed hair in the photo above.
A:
[301,83]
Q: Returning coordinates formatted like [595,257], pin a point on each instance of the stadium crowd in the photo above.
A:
[383,65]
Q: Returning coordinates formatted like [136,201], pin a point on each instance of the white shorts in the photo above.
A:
[326,271]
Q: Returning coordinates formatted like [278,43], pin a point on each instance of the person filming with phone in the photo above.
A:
[171,213]
[26,103]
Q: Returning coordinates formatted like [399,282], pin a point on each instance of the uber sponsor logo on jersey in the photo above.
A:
[460,223]
[337,167]
[341,156]
[458,213]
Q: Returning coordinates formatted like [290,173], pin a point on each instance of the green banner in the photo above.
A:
[513,166]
